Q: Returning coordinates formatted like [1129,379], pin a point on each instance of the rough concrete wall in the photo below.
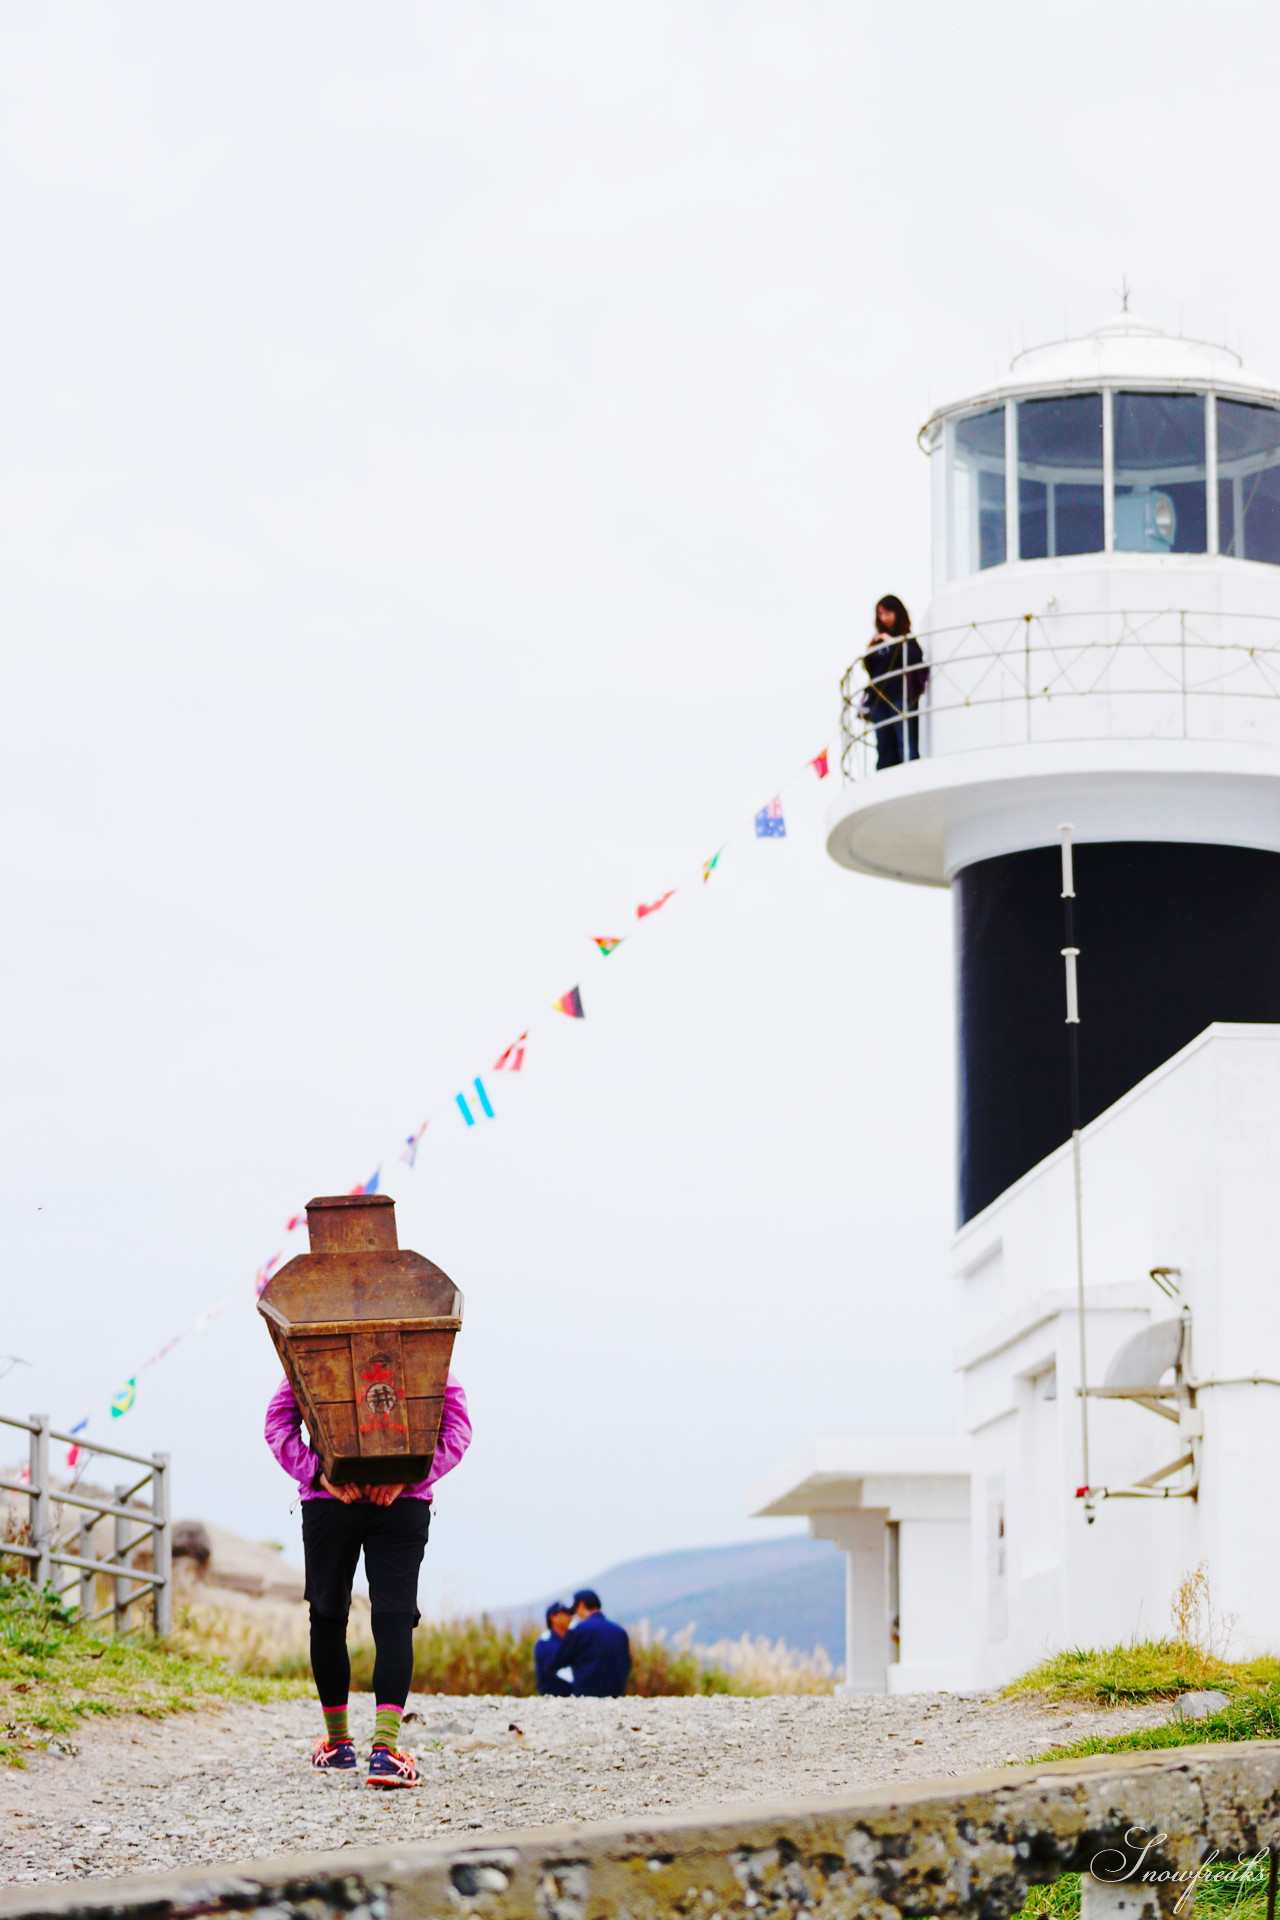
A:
[971,1847]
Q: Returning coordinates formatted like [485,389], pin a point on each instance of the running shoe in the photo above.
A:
[388,1768]
[339,1758]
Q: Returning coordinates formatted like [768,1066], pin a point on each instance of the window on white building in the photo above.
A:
[1249,481]
[977,535]
[1160,473]
[1060,476]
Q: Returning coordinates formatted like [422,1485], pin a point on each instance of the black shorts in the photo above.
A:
[393,1540]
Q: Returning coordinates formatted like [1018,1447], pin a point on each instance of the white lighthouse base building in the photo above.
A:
[971,1559]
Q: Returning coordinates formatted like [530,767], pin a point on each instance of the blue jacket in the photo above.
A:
[549,1654]
[599,1652]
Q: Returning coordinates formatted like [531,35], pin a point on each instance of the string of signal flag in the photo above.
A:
[475,1104]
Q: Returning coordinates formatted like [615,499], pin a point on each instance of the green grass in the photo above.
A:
[1142,1670]
[55,1676]
[1156,1670]
[1240,1894]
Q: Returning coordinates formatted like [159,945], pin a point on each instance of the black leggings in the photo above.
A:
[392,1658]
[392,1540]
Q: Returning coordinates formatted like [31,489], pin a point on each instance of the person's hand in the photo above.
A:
[345,1494]
[383,1496]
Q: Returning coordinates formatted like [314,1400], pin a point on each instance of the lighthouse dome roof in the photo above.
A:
[1125,350]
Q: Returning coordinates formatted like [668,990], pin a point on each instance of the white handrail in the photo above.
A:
[1153,669]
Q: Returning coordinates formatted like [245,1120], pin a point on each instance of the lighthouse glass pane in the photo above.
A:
[1060,476]
[1160,473]
[1249,481]
[976,532]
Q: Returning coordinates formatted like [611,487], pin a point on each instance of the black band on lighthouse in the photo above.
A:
[1171,939]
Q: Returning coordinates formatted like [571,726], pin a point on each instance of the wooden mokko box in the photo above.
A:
[365,1330]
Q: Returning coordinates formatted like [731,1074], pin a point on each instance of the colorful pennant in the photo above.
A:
[464,1105]
[709,866]
[265,1272]
[606,946]
[770,824]
[570,1003]
[73,1451]
[512,1058]
[654,904]
[297,1220]
[124,1399]
[410,1152]
[821,763]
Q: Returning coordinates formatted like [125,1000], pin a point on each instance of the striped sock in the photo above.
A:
[386,1727]
[335,1724]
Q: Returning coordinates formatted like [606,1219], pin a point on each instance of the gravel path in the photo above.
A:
[141,1796]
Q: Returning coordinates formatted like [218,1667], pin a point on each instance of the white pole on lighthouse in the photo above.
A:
[1070,954]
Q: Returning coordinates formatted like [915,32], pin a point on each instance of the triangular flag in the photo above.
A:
[367,1186]
[709,866]
[570,1003]
[512,1059]
[265,1272]
[297,1220]
[606,946]
[821,763]
[73,1451]
[654,904]
[410,1153]
[124,1399]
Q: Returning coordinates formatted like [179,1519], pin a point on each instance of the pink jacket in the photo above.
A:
[283,1432]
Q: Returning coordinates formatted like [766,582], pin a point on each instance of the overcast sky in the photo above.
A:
[449,456]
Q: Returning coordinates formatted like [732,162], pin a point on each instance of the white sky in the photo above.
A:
[449,456]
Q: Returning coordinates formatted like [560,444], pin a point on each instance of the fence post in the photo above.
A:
[123,1588]
[41,1510]
[84,1548]
[161,1546]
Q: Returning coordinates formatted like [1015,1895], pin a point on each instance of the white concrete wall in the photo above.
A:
[935,1623]
[1178,1173]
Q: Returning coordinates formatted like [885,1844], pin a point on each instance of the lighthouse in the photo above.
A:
[1097,783]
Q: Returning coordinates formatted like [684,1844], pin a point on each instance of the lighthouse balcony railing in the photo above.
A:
[1039,678]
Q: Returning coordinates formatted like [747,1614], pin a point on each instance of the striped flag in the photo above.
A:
[570,1003]
[482,1100]
[512,1059]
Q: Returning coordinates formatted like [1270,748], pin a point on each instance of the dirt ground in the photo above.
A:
[141,1796]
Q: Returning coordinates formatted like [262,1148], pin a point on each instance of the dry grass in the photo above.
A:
[486,1655]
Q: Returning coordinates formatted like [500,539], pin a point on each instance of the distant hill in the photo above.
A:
[790,1589]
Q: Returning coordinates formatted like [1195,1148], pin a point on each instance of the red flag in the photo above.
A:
[654,904]
[298,1220]
[513,1058]
[821,763]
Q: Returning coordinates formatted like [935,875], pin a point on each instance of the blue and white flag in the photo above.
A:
[770,824]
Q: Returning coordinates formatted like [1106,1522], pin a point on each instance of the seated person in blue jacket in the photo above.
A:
[549,1654]
[597,1650]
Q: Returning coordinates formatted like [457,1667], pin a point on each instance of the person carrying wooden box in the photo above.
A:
[365,1330]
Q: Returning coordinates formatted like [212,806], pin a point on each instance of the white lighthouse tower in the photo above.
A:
[1103,653]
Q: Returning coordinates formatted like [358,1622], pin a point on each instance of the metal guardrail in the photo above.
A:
[133,1521]
[1167,674]
[1141,1828]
